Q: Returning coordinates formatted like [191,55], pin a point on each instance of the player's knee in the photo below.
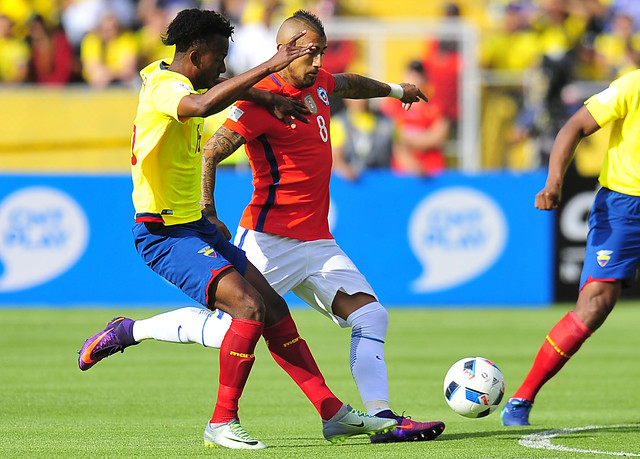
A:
[279,305]
[231,293]
[596,302]
[370,320]
[276,309]
[252,306]
[246,303]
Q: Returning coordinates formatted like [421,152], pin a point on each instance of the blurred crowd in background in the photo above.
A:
[539,60]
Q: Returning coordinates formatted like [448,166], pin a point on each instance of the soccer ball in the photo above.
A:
[474,387]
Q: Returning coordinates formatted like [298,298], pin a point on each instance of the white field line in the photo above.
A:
[542,440]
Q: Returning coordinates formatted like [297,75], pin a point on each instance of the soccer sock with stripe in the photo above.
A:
[236,360]
[184,325]
[368,367]
[564,340]
[292,353]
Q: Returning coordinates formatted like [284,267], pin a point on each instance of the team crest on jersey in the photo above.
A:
[603,257]
[208,252]
[235,113]
[310,103]
[323,95]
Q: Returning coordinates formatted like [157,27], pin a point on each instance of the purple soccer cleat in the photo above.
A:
[409,430]
[116,337]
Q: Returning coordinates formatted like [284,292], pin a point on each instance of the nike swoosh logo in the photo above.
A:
[356,425]
[86,356]
[405,427]
[252,443]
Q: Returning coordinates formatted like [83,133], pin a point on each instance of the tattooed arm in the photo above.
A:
[353,86]
[220,146]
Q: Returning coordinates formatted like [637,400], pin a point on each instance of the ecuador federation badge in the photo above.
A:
[603,257]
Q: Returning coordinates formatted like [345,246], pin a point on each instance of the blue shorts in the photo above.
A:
[189,255]
[613,243]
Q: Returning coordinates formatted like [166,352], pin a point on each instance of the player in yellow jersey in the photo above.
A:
[613,244]
[176,241]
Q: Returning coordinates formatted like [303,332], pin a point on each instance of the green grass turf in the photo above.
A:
[154,400]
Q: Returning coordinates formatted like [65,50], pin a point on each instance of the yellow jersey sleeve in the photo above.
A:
[165,95]
[619,104]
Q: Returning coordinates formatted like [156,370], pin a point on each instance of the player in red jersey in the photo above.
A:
[284,230]
[180,244]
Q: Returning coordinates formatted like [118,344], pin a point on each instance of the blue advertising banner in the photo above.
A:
[453,240]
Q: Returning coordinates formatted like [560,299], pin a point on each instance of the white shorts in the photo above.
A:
[314,270]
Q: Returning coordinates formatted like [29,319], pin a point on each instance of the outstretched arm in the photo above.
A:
[285,109]
[353,86]
[220,146]
[228,91]
[580,125]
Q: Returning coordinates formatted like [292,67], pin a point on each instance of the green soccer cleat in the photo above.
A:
[348,422]
[230,435]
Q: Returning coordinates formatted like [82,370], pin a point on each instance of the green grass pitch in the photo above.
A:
[155,399]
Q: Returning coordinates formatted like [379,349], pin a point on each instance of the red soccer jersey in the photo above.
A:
[291,167]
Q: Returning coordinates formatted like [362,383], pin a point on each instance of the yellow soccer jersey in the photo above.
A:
[166,153]
[620,104]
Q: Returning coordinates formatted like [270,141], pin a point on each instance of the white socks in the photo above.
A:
[369,370]
[185,325]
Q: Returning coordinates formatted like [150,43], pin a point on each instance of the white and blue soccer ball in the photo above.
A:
[474,387]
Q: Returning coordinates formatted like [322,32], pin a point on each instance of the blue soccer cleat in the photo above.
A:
[115,338]
[516,412]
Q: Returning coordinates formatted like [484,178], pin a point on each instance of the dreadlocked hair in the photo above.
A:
[310,18]
[194,26]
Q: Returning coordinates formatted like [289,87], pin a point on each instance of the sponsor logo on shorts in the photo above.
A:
[603,257]
[208,252]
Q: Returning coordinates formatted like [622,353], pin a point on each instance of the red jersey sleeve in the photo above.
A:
[248,119]
[331,81]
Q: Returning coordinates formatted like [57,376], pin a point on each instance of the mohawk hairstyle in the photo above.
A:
[313,20]
[194,26]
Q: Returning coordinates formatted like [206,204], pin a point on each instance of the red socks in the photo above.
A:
[236,360]
[291,352]
[564,340]
[288,349]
